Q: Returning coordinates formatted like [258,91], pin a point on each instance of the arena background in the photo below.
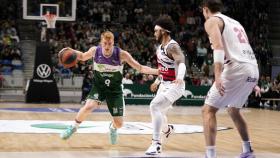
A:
[34,86]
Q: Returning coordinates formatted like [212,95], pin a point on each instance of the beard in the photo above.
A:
[159,39]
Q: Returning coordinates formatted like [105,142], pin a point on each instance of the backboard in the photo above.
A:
[35,9]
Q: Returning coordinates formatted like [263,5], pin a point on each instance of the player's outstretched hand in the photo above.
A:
[154,87]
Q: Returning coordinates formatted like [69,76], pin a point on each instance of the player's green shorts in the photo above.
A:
[115,100]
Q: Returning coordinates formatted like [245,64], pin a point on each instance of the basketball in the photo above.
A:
[68,58]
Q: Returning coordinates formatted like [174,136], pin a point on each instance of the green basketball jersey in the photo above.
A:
[107,71]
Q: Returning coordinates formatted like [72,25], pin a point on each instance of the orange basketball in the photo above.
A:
[68,58]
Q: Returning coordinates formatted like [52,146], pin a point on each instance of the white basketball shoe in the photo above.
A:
[170,130]
[154,149]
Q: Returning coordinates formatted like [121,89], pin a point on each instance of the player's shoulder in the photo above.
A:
[212,20]
[122,51]
[173,47]
[172,41]
[124,55]
[118,49]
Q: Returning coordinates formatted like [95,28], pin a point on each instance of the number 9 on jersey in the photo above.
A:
[107,82]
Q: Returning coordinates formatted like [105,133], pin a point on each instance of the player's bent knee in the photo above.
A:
[233,112]
[90,105]
[154,106]
[208,110]
[204,110]
[157,102]
[119,124]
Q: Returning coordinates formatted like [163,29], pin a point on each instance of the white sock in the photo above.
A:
[112,126]
[211,151]
[77,123]
[157,123]
[156,141]
[246,146]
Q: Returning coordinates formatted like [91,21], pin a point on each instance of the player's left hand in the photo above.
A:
[178,81]
[154,87]
[257,91]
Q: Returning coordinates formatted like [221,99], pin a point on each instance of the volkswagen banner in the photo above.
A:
[42,87]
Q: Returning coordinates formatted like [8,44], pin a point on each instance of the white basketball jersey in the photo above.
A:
[235,41]
[166,65]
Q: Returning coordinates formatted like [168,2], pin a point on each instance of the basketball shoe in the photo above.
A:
[113,134]
[169,131]
[249,154]
[68,132]
[154,149]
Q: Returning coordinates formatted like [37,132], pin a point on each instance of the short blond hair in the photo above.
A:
[107,35]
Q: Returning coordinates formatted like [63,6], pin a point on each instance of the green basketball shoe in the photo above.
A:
[68,132]
[113,135]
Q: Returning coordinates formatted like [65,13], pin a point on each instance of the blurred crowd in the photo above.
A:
[10,53]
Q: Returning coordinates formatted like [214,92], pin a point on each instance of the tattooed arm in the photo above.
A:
[174,51]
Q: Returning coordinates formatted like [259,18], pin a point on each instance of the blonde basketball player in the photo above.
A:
[236,75]
[171,64]
[107,83]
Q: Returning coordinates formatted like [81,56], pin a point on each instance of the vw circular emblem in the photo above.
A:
[43,71]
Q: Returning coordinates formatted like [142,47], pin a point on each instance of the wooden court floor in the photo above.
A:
[264,127]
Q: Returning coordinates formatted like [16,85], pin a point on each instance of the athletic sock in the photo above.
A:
[112,126]
[211,151]
[156,141]
[77,123]
[246,146]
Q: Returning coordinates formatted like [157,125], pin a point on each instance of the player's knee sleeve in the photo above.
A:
[154,106]
[159,103]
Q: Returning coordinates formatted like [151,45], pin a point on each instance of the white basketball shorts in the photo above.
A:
[239,79]
[171,91]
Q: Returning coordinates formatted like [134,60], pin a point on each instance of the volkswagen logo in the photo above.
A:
[43,71]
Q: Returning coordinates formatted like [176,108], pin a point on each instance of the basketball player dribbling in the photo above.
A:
[236,75]
[108,63]
[171,64]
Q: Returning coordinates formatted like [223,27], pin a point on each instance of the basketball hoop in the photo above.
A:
[50,19]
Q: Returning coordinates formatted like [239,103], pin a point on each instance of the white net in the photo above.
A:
[51,20]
